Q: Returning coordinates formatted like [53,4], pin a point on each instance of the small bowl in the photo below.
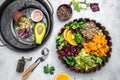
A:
[37,14]
[64,12]
[17,15]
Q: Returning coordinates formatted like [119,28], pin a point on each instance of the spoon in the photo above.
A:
[32,67]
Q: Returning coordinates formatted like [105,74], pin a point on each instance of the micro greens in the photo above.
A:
[78,6]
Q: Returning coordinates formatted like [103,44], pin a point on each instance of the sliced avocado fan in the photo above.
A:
[39,30]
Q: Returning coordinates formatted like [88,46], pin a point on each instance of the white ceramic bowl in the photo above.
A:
[37,15]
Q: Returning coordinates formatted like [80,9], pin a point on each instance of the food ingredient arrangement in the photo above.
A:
[83,45]
[30,28]
[78,6]
[64,11]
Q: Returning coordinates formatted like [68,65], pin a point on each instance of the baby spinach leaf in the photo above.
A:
[78,38]
[103,58]
[77,24]
[74,25]
[70,60]
[60,41]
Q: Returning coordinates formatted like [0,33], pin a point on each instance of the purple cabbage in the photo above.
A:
[24,33]
[94,7]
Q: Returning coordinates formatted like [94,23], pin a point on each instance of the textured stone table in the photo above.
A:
[109,16]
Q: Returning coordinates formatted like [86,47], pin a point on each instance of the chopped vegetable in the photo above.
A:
[103,58]
[84,60]
[24,33]
[94,7]
[78,38]
[98,46]
[48,69]
[77,24]
[87,61]
[23,27]
[100,32]
[70,60]
[97,60]
[23,23]
[61,42]
[78,6]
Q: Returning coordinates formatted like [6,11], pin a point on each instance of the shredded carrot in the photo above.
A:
[98,46]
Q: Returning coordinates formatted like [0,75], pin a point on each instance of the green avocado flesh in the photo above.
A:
[86,61]
[39,30]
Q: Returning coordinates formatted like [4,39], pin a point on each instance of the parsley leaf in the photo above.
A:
[48,69]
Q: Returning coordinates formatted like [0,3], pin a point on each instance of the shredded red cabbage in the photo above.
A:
[24,33]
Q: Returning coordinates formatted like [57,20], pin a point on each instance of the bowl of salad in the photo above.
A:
[83,45]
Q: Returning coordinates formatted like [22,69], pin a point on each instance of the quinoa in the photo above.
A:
[90,30]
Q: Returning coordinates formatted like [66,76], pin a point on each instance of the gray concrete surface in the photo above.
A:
[108,16]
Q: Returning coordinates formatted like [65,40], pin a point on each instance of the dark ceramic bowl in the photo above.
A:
[64,12]
[78,70]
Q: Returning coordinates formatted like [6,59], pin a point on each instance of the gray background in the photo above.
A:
[109,16]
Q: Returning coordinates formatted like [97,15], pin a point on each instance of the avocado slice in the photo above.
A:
[39,30]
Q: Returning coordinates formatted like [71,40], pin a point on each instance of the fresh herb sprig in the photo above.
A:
[49,69]
[78,6]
